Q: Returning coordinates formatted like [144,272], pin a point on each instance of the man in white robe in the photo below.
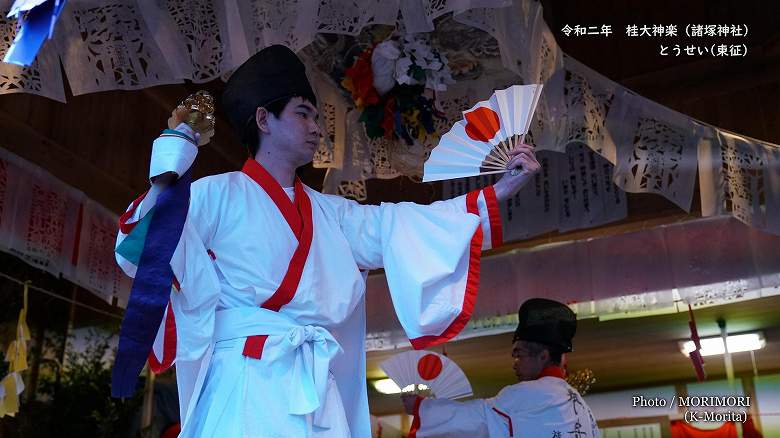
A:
[542,405]
[265,321]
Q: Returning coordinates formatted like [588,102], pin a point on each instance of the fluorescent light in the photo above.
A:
[387,386]
[737,343]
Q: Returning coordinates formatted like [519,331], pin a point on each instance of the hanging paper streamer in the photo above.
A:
[56,228]
[36,21]
[656,149]
[12,385]
[10,388]
[695,355]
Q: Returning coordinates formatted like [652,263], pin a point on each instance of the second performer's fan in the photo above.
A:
[479,144]
[443,376]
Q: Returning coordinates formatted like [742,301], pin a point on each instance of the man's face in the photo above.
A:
[296,132]
[528,361]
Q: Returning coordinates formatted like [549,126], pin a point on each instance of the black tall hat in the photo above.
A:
[547,322]
[271,74]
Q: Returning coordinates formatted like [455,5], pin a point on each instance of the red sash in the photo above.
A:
[298,217]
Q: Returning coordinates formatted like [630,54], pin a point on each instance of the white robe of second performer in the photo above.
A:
[547,407]
[233,254]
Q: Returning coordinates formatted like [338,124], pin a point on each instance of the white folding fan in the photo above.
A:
[443,376]
[479,144]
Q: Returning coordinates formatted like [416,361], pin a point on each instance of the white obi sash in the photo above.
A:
[312,346]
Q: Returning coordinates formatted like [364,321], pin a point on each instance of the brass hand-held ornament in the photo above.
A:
[197,111]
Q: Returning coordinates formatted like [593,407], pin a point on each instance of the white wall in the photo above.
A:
[718,388]
[619,404]
[768,399]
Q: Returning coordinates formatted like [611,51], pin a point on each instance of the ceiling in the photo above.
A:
[623,353]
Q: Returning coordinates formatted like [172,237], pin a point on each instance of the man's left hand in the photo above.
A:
[523,158]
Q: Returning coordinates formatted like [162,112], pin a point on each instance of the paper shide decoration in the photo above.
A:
[16,356]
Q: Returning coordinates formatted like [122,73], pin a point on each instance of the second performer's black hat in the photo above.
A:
[546,322]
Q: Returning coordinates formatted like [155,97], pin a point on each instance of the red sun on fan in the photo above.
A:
[429,366]
[483,124]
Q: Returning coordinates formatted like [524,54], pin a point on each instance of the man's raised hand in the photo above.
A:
[523,158]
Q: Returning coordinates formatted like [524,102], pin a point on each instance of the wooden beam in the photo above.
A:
[708,77]
[629,225]
[705,78]
[72,169]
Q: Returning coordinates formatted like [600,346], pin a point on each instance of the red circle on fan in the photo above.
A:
[429,366]
[483,123]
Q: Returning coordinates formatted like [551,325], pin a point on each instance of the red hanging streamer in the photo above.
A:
[695,355]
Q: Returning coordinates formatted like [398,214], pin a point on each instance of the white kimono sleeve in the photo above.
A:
[185,334]
[447,418]
[431,255]
[170,153]
[474,418]
[194,309]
